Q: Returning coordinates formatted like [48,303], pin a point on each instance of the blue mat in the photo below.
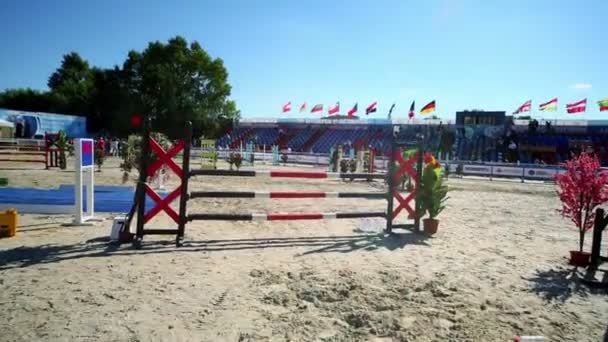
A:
[108,199]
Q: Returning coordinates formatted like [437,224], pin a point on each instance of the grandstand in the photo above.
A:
[473,136]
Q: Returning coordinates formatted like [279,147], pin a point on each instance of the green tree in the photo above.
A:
[30,100]
[176,82]
[73,82]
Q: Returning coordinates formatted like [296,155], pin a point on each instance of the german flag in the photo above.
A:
[429,108]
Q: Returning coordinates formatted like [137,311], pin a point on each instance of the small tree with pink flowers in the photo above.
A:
[581,189]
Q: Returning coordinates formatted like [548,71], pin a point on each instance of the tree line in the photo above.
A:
[170,82]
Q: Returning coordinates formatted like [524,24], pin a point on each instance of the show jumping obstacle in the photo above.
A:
[50,152]
[84,165]
[412,167]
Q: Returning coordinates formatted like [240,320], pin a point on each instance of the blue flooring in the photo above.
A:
[108,199]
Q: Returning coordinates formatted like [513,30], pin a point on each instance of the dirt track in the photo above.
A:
[497,268]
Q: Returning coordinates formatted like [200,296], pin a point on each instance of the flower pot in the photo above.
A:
[578,258]
[430,225]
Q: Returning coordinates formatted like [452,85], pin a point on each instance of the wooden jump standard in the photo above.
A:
[49,151]
[412,167]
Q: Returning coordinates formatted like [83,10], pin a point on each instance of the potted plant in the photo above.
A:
[581,189]
[334,161]
[62,144]
[459,170]
[99,156]
[433,194]
[352,165]
[235,159]
[238,161]
[343,165]
[230,160]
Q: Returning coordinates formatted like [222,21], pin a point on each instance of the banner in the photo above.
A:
[477,170]
[541,173]
[507,171]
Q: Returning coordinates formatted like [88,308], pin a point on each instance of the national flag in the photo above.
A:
[603,104]
[577,107]
[429,108]
[526,107]
[317,108]
[335,109]
[287,107]
[411,113]
[303,107]
[353,111]
[390,111]
[371,108]
[550,106]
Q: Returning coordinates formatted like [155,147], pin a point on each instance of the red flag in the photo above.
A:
[287,107]
[577,107]
[411,113]
[334,109]
[317,108]
[371,108]
[524,107]
[303,107]
[353,111]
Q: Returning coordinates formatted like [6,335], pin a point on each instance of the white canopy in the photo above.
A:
[4,123]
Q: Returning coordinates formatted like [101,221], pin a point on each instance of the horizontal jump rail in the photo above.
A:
[23,160]
[6,146]
[286,194]
[282,216]
[21,153]
[287,174]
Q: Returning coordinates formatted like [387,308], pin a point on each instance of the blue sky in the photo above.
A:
[491,55]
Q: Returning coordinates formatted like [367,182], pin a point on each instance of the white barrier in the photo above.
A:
[511,171]
[84,150]
[481,170]
[472,169]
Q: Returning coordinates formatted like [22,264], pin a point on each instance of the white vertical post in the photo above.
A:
[78,207]
[84,163]
[90,189]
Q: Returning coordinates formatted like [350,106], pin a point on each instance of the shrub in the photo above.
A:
[344,166]
[352,165]
[131,153]
[432,191]
[100,156]
[581,189]
[235,159]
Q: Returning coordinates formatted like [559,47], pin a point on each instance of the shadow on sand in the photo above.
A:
[561,284]
[99,247]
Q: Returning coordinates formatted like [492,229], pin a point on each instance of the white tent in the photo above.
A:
[6,129]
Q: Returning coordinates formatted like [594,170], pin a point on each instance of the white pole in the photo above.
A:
[78,207]
[90,193]
[80,217]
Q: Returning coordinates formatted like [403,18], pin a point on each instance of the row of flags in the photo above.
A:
[572,108]
[372,108]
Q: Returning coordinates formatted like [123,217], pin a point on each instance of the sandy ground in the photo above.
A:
[496,269]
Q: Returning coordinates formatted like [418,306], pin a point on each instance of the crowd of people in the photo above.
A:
[112,147]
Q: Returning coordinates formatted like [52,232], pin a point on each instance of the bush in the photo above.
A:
[235,159]
[352,165]
[432,191]
[131,153]
[344,164]
[99,157]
